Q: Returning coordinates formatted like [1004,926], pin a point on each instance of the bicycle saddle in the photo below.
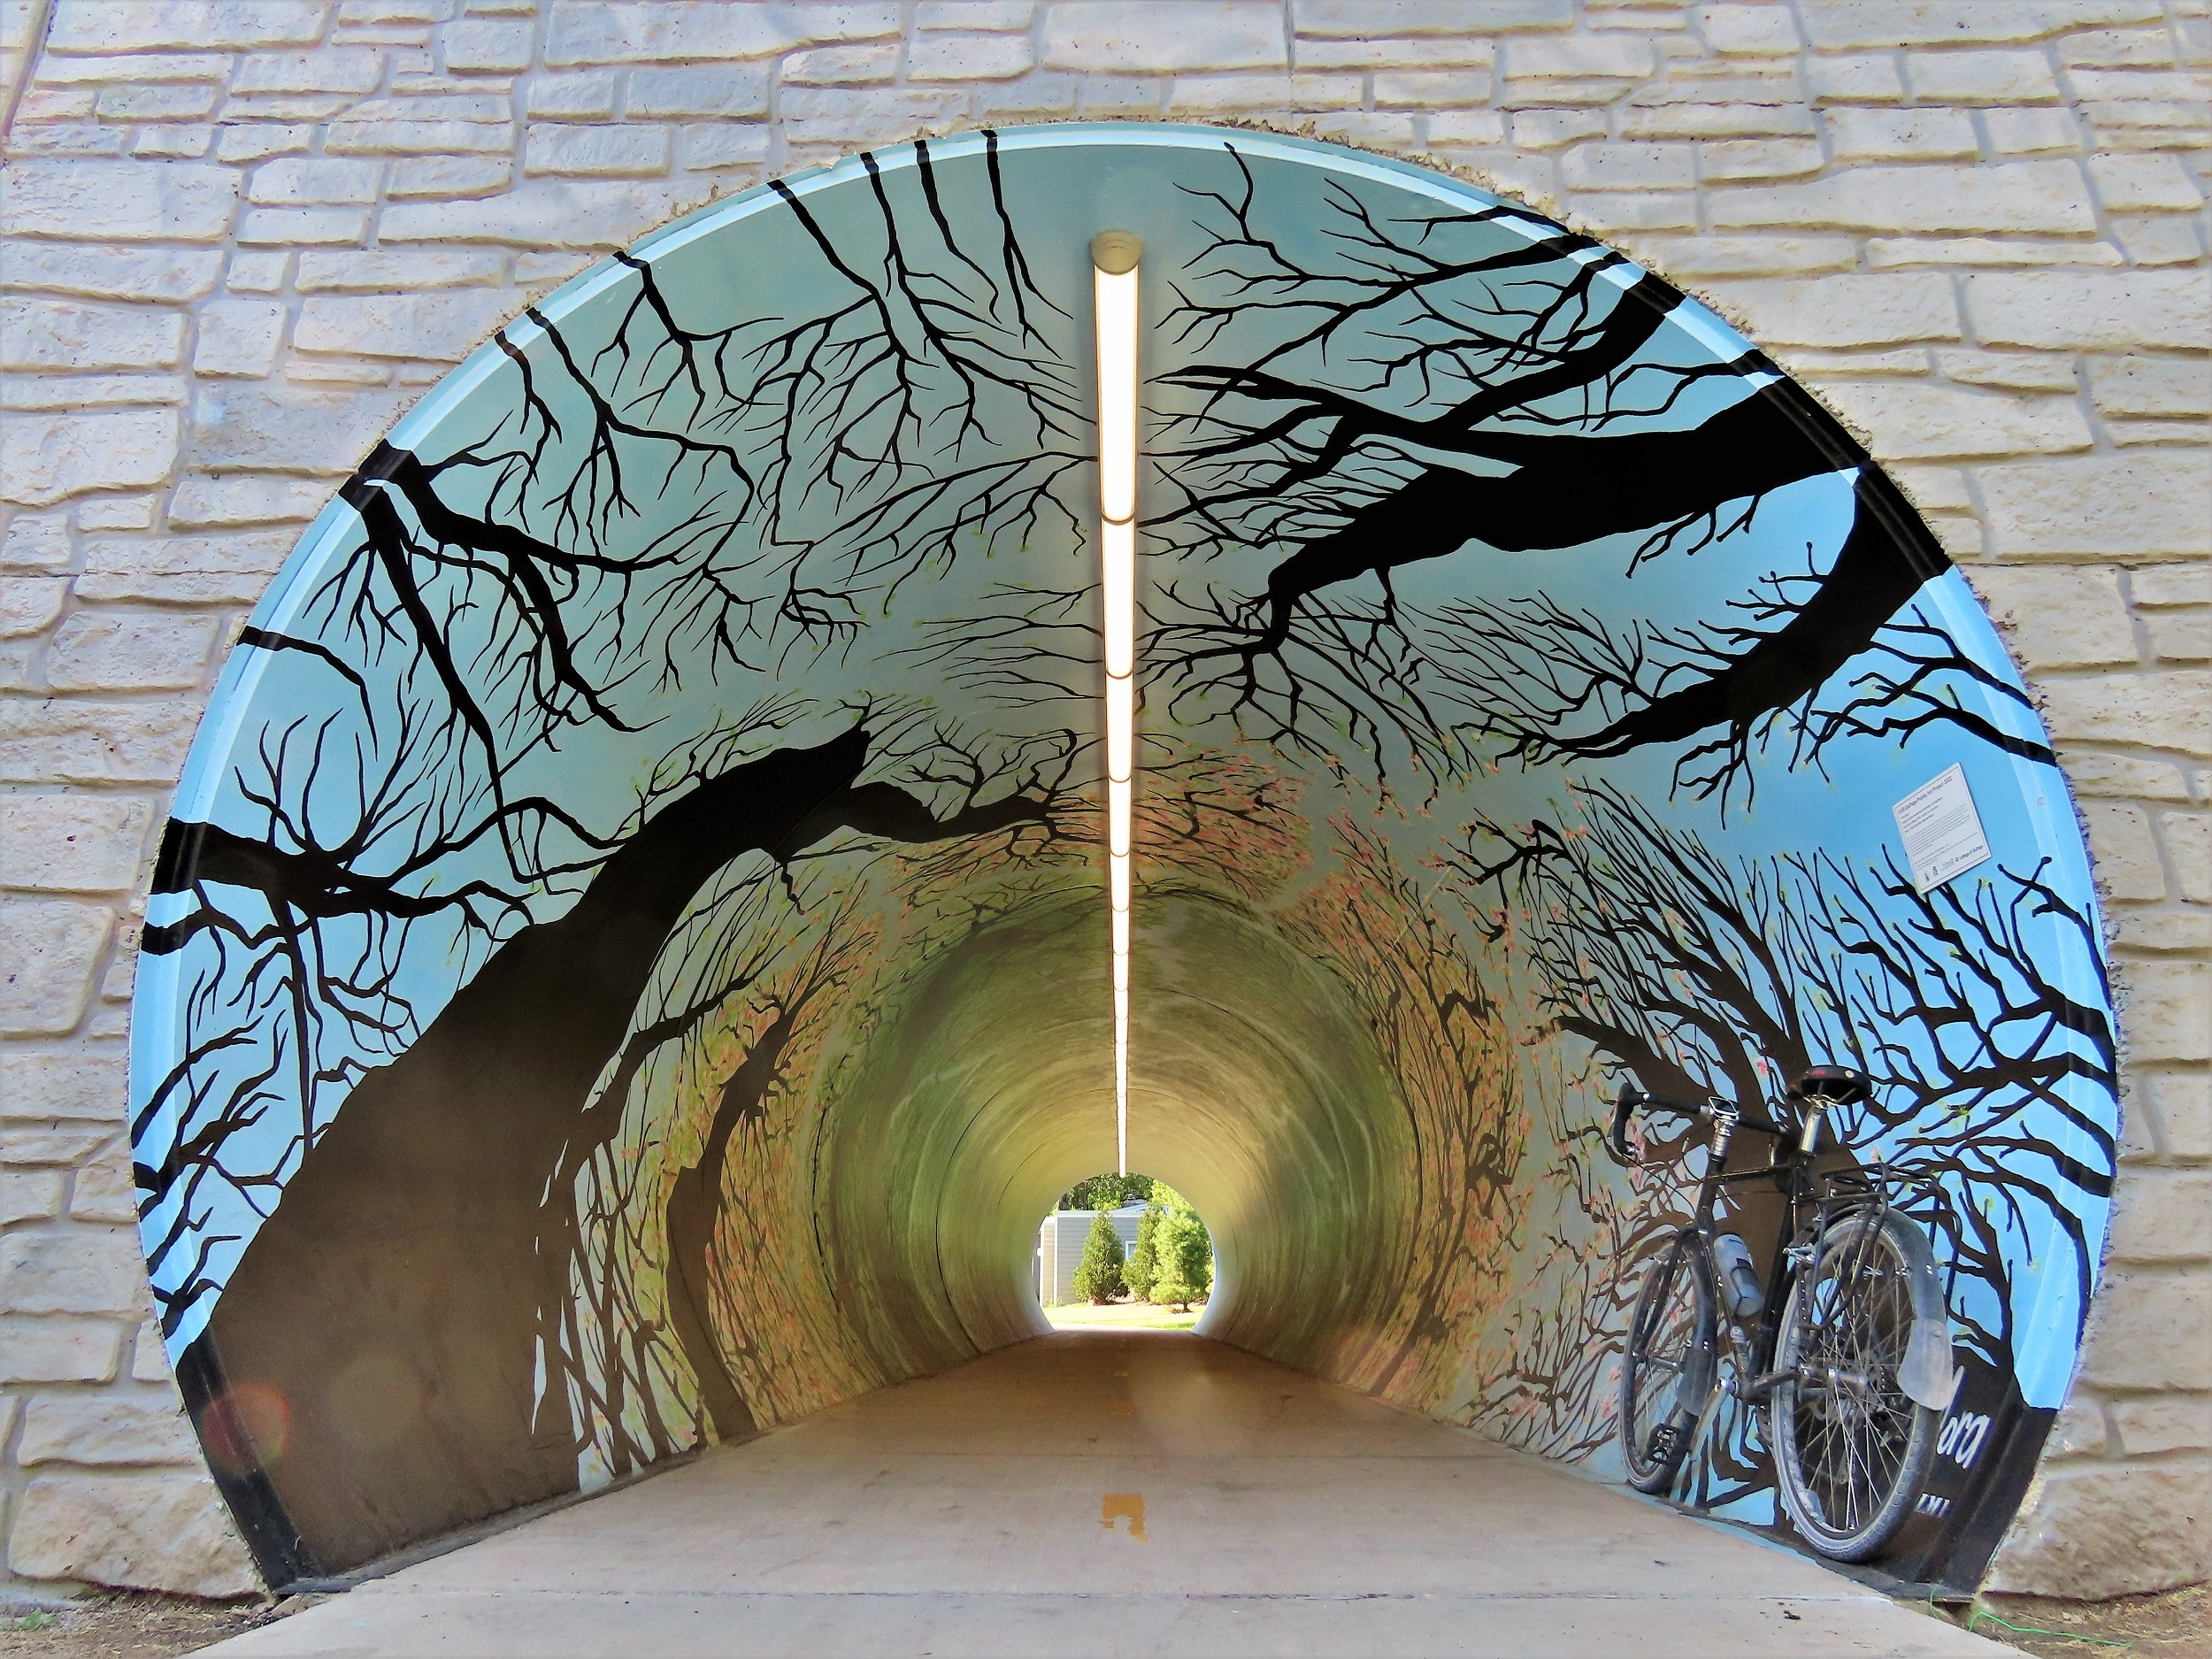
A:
[1837,1083]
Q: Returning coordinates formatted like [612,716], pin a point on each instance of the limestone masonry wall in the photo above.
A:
[242,235]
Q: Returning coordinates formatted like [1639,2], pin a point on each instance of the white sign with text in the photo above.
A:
[1942,831]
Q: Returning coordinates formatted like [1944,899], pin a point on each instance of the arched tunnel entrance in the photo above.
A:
[628,966]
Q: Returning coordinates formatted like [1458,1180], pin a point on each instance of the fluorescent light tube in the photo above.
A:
[1121,721]
[1114,256]
[1117,578]
[1114,292]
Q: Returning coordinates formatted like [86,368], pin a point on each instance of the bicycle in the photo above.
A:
[1854,1367]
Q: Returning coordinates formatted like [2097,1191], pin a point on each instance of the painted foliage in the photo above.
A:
[686,717]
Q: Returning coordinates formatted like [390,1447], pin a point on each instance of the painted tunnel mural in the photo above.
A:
[627,968]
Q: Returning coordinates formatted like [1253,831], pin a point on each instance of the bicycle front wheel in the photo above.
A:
[1667,1371]
[1851,1448]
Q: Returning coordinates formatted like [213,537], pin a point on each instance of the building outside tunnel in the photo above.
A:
[1060,1247]
[557,841]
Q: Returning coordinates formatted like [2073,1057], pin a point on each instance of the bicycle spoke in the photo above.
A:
[1852,1434]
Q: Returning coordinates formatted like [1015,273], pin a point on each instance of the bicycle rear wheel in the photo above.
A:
[1667,1371]
[1851,1448]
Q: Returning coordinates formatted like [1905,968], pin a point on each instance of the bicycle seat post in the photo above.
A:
[1726,1117]
[1816,1107]
[1821,1090]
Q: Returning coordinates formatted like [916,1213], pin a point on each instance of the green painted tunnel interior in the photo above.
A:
[1260,1097]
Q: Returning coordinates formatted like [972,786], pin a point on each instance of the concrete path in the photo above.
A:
[1113,1493]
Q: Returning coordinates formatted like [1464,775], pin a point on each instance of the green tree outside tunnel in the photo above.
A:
[1098,1275]
[1109,1191]
[1184,1256]
[1143,1265]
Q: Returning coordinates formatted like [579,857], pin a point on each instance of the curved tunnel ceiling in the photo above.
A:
[629,965]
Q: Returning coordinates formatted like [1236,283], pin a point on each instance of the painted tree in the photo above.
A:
[1696,974]
[390,908]
[1545,1364]
[1394,944]
[1433,382]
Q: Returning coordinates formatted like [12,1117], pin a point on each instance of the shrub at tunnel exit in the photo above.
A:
[1142,1273]
[1098,1276]
[1184,1256]
[1143,1265]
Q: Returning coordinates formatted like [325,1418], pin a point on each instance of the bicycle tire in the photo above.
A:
[1667,1365]
[1850,1461]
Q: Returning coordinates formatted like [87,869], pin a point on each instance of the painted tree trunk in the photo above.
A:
[393,1299]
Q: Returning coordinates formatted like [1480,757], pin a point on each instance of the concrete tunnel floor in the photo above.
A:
[1124,1493]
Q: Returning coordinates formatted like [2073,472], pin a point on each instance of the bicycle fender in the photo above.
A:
[1696,1389]
[1928,1376]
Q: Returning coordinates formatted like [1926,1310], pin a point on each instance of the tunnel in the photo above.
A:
[629,964]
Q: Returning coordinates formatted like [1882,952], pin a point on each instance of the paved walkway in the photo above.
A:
[1113,1493]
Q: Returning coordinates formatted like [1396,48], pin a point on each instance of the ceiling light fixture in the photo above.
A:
[1114,256]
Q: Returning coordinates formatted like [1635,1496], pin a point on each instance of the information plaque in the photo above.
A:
[1942,831]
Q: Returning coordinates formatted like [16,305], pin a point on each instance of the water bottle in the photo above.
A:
[1740,1287]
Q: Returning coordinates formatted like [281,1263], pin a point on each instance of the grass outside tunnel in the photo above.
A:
[1122,1316]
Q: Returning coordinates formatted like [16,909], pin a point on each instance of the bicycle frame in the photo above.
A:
[1813,1206]
[1832,1353]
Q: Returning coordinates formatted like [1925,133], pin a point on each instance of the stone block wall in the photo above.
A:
[242,235]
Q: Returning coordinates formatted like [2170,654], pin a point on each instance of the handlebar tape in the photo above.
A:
[1623,1110]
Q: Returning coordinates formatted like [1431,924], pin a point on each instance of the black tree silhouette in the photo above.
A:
[1697,974]
[1454,379]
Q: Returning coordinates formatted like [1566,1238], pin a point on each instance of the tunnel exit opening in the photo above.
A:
[623,972]
[1124,1249]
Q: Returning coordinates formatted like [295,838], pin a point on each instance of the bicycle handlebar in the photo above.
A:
[1631,1097]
